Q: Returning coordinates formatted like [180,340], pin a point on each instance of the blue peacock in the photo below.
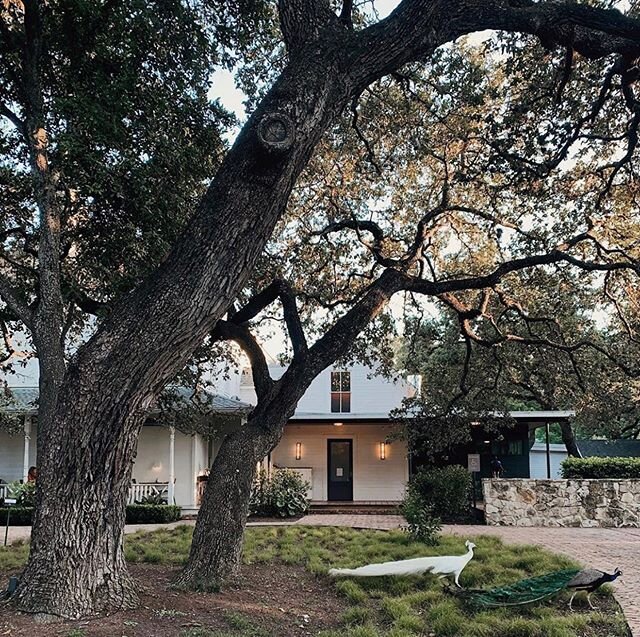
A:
[536,589]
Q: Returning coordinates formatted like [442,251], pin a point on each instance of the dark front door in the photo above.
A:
[340,463]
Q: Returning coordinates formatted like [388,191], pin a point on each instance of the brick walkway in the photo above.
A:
[382,522]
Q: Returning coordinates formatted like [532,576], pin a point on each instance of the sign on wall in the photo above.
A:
[473,463]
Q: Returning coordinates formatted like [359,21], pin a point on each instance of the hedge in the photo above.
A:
[446,491]
[620,468]
[136,514]
[149,513]
[20,516]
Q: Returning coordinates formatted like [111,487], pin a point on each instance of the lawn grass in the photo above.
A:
[390,606]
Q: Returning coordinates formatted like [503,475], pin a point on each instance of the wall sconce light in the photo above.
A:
[383,450]
[298,450]
[156,467]
[337,424]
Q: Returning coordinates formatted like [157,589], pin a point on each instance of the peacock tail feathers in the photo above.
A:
[526,591]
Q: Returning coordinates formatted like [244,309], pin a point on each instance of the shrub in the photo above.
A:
[283,494]
[422,524]
[24,493]
[445,492]
[152,498]
[152,513]
[19,515]
[622,468]
[260,499]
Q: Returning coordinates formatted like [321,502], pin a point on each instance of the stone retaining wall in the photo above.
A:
[586,503]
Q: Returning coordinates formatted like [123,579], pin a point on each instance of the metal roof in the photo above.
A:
[543,415]
[24,400]
[20,400]
[532,416]
[610,448]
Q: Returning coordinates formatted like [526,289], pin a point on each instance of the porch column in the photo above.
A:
[27,441]
[194,479]
[546,432]
[172,469]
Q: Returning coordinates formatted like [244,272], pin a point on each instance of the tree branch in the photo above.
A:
[282,290]
[417,27]
[50,307]
[292,319]
[301,21]
[13,118]
[225,330]
[11,297]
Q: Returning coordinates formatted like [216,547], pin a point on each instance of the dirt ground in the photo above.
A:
[277,599]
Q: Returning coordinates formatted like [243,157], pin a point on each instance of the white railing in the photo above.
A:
[3,491]
[140,490]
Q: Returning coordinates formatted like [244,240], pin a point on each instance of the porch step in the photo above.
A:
[355,508]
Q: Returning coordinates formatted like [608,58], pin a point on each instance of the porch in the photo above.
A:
[171,457]
[354,463]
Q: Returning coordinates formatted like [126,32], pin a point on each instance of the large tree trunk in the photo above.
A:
[76,565]
[216,549]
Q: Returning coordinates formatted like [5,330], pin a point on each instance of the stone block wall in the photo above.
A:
[571,503]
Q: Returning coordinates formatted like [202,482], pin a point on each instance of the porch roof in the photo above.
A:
[24,400]
[21,400]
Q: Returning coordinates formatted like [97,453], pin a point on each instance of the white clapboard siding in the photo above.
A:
[373,479]
[369,394]
[538,460]
[12,454]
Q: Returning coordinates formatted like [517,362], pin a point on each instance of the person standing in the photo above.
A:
[497,470]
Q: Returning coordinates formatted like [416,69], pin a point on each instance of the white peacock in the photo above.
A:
[442,565]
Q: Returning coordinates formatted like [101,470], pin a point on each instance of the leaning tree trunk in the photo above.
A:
[216,548]
[76,565]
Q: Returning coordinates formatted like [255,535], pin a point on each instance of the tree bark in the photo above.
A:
[216,548]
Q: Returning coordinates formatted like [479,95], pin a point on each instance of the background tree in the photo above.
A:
[564,360]
[148,334]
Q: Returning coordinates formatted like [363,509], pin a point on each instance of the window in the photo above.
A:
[340,392]
[246,377]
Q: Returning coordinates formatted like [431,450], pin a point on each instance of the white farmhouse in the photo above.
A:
[340,439]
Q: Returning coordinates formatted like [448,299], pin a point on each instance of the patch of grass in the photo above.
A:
[239,626]
[14,556]
[356,616]
[390,606]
